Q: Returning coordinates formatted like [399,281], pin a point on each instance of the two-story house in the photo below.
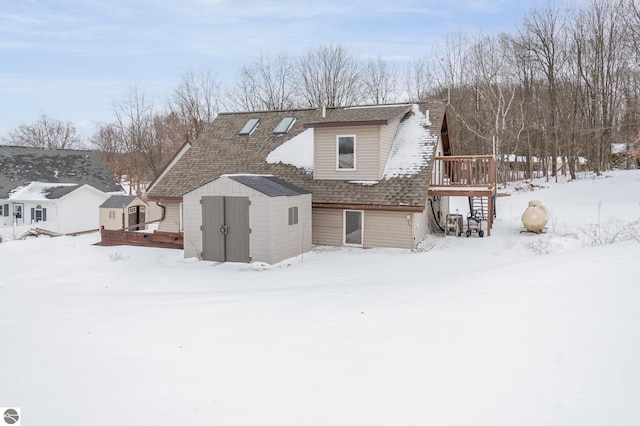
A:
[354,176]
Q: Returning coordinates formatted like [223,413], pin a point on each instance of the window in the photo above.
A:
[353,227]
[38,214]
[112,214]
[346,152]
[284,126]
[4,210]
[249,127]
[293,215]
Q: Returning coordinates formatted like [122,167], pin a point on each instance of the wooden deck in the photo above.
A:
[466,176]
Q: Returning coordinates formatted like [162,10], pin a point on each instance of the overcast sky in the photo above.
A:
[72,59]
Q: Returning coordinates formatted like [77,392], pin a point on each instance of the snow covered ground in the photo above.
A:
[514,329]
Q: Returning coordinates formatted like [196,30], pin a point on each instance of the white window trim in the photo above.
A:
[338,168]
[344,228]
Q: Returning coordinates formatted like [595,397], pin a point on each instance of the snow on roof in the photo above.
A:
[37,191]
[365,182]
[412,147]
[297,151]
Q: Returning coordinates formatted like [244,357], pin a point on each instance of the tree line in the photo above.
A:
[549,98]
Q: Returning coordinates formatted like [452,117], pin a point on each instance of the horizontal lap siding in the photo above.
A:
[421,226]
[171,222]
[327,227]
[381,229]
[111,223]
[367,153]
[387,229]
[440,204]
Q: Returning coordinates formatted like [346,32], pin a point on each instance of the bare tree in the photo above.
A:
[329,76]
[543,36]
[420,79]
[110,149]
[134,132]
[452,64]
[598,38]
[268,84]
[495,91]
[195,103]
[45,132]
[380,82]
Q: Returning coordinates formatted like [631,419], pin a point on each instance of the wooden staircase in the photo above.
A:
[479,204]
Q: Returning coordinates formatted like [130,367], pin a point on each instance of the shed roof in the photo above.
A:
[118,201]
[269,185]
[19,166]
[220,150]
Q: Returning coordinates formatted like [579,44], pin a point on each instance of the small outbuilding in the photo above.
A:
[123,212]
[247,218]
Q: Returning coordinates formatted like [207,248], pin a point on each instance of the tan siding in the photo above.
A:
[381,228]
[327,227]
[387,229]
[421,227]
[191,221]
[436,173]
[387,135]
[171,222]
[367,153]
[113,223]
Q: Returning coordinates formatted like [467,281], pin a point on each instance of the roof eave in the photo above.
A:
[345,124]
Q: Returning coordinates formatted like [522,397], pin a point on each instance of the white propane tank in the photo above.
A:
[535,217]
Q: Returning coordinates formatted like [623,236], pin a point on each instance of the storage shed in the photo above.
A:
[247,218]
[123,212]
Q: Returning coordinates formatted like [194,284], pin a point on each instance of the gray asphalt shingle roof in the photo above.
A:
[117,201]
[269,185]
[60,191]
[221,151]
[20,166]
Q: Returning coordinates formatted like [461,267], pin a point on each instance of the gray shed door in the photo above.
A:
[225,229]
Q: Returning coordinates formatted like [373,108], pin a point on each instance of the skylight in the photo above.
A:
[284,126]
[249,127]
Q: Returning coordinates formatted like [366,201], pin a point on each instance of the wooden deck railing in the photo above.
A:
[465,171]
[466,176]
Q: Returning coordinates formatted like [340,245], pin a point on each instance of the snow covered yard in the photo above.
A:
[514,329]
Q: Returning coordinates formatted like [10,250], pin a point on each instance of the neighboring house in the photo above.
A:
[368,169]
[127,212]
[58,190]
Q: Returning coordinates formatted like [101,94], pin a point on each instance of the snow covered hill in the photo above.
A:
[513,329]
